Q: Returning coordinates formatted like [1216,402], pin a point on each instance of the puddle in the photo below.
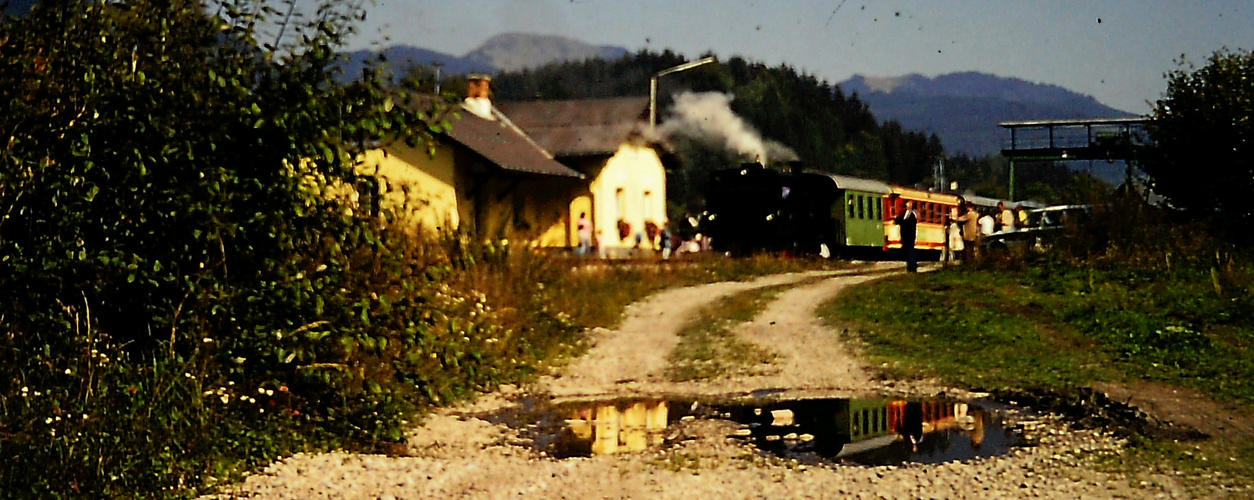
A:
[870,431]
[873,431]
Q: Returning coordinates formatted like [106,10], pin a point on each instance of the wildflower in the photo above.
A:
[68,372]
[225,399]
[269,392]
[84,416]
[188,375]
[48,420]
[282,388]
[261,390]
[207,340]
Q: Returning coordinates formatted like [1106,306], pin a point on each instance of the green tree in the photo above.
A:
[168,227]
[1203,130]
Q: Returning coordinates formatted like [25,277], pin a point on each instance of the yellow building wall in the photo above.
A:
[630,187]
[439,192]
[527,210]
[419,189]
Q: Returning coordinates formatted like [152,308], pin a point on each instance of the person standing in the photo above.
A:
[953,235]
[1005,218]
[908,222]
[584,227]
[970,225]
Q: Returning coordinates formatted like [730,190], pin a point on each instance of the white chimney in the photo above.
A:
[478,96]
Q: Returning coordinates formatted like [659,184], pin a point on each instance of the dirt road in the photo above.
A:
[460,453]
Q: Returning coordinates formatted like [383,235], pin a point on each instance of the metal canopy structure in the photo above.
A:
[1107,139]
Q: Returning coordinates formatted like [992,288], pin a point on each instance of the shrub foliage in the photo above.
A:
[1204,133]
[181,289]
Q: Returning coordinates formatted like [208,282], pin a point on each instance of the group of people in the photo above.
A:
[965,227]
[656,238]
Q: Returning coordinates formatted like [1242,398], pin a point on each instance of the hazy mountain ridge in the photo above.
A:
[963,109]
[515,51]
[506,52]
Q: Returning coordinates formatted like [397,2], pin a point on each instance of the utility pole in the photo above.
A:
[438,65]
[667,71]
[938,175]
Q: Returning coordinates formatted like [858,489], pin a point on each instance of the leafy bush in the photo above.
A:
[181,293]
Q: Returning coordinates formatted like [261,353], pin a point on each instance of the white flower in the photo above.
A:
[68,372]
[225,398]
[207,340]
[48,420]
[269,392]
[261,390]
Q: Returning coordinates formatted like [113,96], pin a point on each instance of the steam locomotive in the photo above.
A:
[754,209]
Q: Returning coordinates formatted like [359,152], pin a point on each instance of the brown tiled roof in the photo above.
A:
[505,145]
[580,127]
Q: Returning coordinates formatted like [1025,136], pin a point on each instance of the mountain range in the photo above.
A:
[963,109]
[505,52]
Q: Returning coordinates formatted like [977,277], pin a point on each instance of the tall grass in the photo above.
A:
[433,321]
[1133,294]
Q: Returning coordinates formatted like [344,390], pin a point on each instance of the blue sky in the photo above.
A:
[1114,50]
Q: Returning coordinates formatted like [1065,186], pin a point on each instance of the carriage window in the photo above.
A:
[861,207]
[850,201]
[879,210]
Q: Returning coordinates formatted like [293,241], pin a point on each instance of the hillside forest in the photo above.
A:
[827,129]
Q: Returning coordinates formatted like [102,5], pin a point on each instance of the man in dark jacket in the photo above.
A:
[908,222]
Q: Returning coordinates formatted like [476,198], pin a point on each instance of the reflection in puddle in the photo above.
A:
[611,427]
[874,431]
[868,431]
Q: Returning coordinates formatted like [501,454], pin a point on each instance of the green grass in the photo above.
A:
[965,328]
[708,346]
[1060,324]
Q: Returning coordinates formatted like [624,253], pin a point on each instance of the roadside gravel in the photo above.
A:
[459,453]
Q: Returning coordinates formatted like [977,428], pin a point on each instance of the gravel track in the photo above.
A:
[458,454]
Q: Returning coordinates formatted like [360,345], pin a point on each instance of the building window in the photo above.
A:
[648,205]
[620,203]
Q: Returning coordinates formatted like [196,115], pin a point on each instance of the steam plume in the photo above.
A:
[707,117]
